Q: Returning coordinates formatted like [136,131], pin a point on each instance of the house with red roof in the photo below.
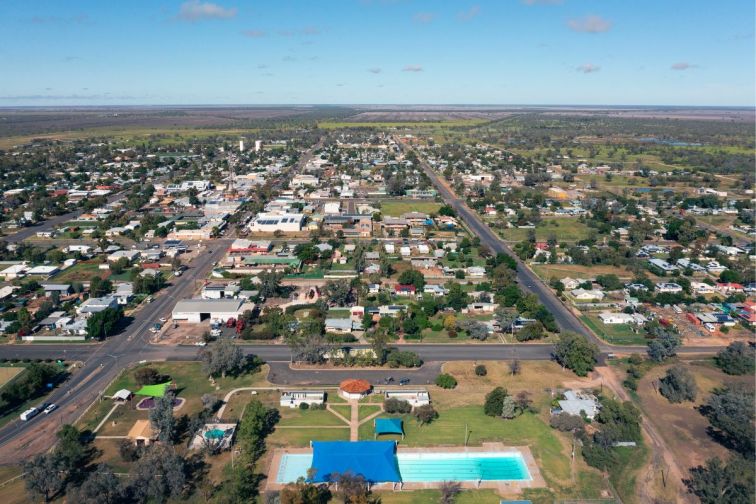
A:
[404,290]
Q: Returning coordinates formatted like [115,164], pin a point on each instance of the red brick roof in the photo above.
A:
[355,386]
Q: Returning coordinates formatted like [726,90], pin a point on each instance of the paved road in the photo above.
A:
[103,363]
[51,223]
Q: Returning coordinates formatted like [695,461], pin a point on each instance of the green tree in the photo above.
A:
[678,385]
[717,482]
[576,353]
[222,357]
[736,359]
[664,346]
[412,277]
[161,418]
[495,401]
[446,381]
[730,411]
[44,475]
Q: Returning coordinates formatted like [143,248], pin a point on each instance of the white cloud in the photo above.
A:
[590,24]
[588,68]
[253,33]
[469,13]
[412,68]
[682,65]
[194,10]
[375,70]
[423,17]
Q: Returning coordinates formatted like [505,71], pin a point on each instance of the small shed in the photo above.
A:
[388,426]
[142,433]
[122,395]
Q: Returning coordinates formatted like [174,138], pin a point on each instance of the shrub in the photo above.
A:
[736,359]
[425,414]
[495,401]
[635,359]
[480,370]
[304,406]
[567,423]
[398,358]
[394,405]
[446,381]
[147,376]
[678,385]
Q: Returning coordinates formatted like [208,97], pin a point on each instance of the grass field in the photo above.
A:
[564,228]
[129,135]
[397,208]
[8,373]
[617,334]
[549,271]
[81,272]
[435,124]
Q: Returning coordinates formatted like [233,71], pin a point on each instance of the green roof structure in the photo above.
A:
[157,390]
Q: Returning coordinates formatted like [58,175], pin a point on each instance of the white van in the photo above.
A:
[29,414]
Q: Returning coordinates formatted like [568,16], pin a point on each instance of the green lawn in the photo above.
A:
[80,272]
[618,334]
[397,208]
[449,429]
[368,409]
[309,418]
[425,496]
[344,410]
[567,229]
[300,438]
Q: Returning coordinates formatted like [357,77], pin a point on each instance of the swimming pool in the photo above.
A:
[427,467]
[215,434]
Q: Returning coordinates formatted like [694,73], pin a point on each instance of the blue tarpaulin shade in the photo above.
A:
[388,426]
[373,460]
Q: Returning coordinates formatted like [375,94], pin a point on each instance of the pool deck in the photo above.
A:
[502,487]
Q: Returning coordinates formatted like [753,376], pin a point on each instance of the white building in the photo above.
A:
[587,295]
[197,310]
[668,287]
[293,398]
[622,318]
[414,397]
[576,402]
[272,222]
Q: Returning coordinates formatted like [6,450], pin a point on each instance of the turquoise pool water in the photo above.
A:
[214,434]
[426,467]
[293,466]
[420,467]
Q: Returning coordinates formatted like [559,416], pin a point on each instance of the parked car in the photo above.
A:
[50,408]
[404,381]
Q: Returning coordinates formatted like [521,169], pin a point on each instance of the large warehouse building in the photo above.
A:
[273,221]
[198,310]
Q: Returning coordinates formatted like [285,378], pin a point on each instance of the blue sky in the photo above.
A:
[645,52]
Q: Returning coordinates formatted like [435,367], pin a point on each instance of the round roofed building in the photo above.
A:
[354,389]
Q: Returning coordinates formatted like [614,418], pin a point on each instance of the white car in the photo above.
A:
[50,408]
[163,320]
[200,343]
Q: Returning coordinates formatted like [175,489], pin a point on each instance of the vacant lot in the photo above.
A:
[681,425]
[566,229]
[397,208]
[81,272]
[617,334]
[8,373]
